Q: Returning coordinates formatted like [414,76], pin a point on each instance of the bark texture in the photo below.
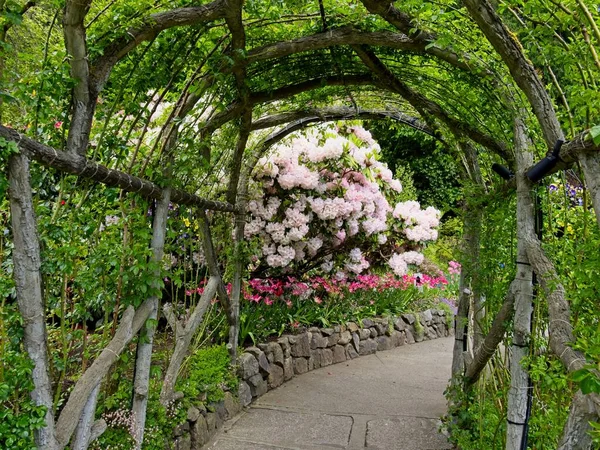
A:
[559,326]
[519,378]
[333,37]
[576,434]
[492,339]
[213,263]
[590,163]
[28,285]
[131,322]
[461,325]
[83,433]
[84,101]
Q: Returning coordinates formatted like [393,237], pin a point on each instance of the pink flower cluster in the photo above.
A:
[316,192]
[454,268]
[272,290]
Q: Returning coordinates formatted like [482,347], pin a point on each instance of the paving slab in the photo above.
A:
[293,428]
[386,401]
[407,433]
[230,444]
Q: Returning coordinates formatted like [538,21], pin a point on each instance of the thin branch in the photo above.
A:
[347,35]
[130,324]
[312,115]
[424,41]
[211,260]
[235,24]
[309,85]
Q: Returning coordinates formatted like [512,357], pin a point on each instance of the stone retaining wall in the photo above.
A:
[269,365]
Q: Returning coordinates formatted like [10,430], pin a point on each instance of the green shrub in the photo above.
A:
[207,373]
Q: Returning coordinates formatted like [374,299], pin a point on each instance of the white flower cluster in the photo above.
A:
[399,262]
[357,262]
[420,223]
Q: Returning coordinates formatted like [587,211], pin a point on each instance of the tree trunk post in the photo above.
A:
[183,339]
[83,433]
[576,431]
[517,414]
[468,284]
[28,282]
[146,337]
[590,163]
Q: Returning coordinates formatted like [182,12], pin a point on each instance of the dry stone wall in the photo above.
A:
[269,365]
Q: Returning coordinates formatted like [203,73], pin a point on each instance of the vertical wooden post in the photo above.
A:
[146,337]
[518,396]
[590,163]
[28,280]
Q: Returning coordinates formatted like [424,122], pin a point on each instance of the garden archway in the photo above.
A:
[170,103]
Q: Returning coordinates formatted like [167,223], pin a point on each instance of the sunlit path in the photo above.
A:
[386,401]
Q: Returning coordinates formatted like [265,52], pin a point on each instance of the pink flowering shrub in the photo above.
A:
[324,202]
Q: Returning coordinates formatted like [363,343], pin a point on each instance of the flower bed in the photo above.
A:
[274,306]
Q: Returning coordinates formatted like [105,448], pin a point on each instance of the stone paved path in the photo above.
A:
[388,401]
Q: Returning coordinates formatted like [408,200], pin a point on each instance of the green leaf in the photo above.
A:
[595,134]
[590,384]
[580,375]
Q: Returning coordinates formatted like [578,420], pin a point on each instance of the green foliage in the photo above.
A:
[19,416]
[7,148]
[207,373]
[405,175]
[553,396]
[446,247]
[595,134]
[92,270]
[419,157]
[476,418]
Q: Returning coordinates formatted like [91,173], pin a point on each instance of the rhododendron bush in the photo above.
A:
[323,201]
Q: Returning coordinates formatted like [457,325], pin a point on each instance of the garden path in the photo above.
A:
[391,400]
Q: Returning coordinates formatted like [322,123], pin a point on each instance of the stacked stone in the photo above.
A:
[269,365]
[203,422]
